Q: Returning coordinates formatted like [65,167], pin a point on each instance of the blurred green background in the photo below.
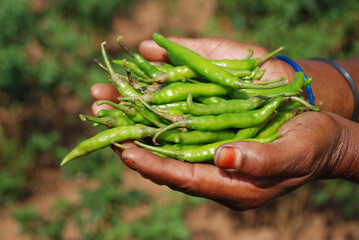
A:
[46,69]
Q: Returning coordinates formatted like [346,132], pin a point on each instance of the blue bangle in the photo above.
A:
[298,69]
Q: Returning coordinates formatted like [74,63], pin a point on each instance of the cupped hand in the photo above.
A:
[249,174]
[211,48]
[246,174]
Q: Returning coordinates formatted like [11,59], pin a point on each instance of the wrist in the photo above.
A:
[344,160]
[329,87]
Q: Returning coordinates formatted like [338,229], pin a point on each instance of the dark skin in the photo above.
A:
[246,175]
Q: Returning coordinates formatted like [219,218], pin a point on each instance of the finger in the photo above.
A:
[202,180]
[195,179]
[152,52]
[103,91]
[299,152]
[254,159]
[96,108]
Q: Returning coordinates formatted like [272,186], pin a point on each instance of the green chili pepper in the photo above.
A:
[281,118]
[199,154]
[179,92]
[229,106]
[181,73]
[292,88]
[240,73]
[106,137]
[268,81]
[210,100]
[131,66]
[107,112]
[245,64]
[131,113]
[206,152]
[196,137]
[289,106]
[180,106]
[147,88]
[210,71]
[253,73]
[178,147]
[148,116]
[223,121]
[304,103]
[264,139]
[165,67]
[212,82]
[109,121]
[259,74]
[144,65]
[174,60]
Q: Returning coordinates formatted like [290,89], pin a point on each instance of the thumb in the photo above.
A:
[151,51]
[259,160]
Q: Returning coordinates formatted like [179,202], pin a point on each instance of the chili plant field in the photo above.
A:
[46,67]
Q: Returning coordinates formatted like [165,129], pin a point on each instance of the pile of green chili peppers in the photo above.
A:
[187,109]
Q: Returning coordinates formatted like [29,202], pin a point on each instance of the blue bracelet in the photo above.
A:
[298,69]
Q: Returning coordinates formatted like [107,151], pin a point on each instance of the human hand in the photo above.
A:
[249,174]
[211,48]
[260,172]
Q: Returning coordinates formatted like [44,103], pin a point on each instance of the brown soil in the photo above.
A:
[286,218]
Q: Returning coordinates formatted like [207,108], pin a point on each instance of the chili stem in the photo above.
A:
[100,65]
[107,62]
[269,55]
[123,147]
[124,47]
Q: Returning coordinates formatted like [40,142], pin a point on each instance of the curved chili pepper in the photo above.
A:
[281,118]
[210,71]
[224,121]
[107,112]
[206,152]
[210,100]
[180,106]
[109,121]
[196,137]
[106,137]
[165,67]
[245,64]
[241,64]
[229,106]
[181,73]
[179,92]
[292,88]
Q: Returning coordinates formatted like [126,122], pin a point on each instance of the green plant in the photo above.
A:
[31,222]
[306,28]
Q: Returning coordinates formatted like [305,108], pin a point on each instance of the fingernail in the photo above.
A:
[228,157]
[129,163]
